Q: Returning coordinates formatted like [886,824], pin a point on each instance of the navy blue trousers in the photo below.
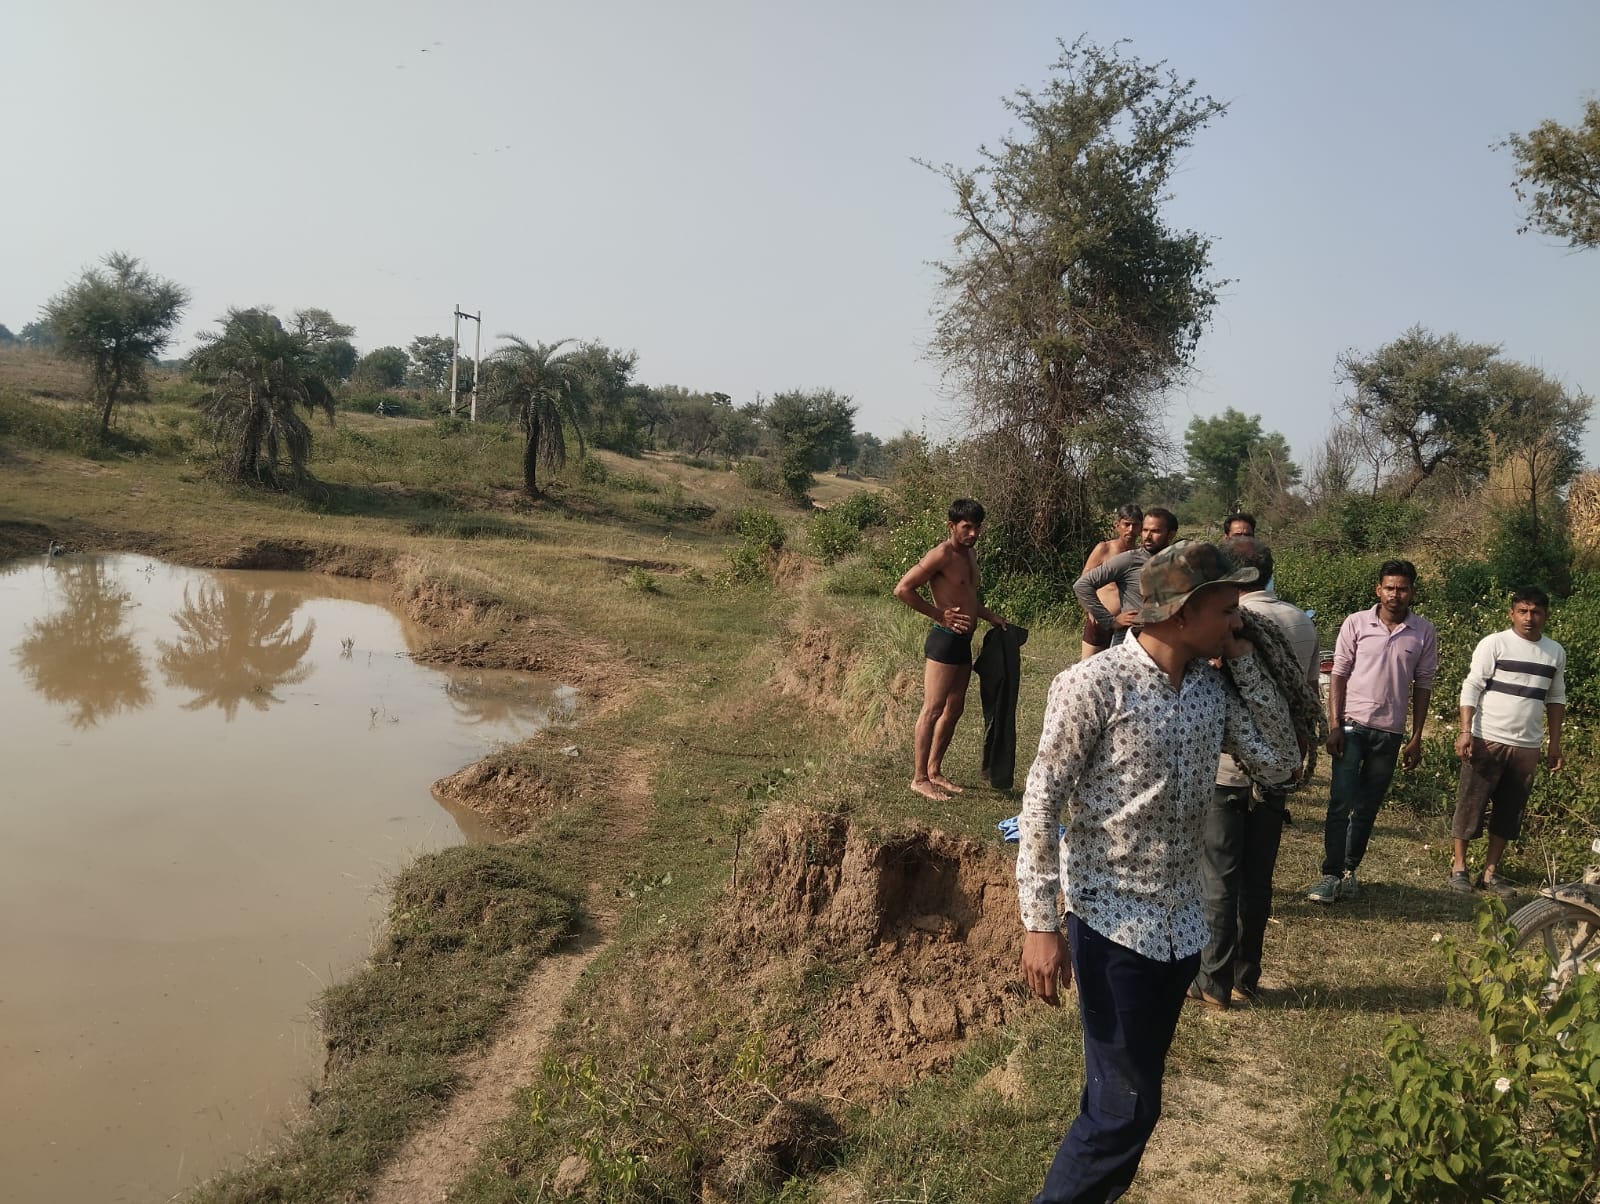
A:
[1130,1006]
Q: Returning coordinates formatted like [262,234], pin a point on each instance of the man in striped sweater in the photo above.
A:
[1515,688]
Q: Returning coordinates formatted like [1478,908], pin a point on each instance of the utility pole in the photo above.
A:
[477,361]
[455,354]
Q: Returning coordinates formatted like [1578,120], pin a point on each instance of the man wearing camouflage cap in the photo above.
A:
[1126,762]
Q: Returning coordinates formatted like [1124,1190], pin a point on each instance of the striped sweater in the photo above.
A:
[1510,683]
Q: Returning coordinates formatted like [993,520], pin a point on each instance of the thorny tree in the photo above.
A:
[1070,304]
[115,320]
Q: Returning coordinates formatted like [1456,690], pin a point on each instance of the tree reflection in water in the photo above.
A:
[82,656]
[236,645]
[477,700]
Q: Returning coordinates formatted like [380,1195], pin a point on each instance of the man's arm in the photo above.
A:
[988,616]
[1411,754]
[909,588]
[1554,712]
[1336,687]
[1464,736]
[1086,588]
[1479,671]
[1073,722]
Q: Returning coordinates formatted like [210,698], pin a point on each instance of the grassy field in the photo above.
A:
[805,988]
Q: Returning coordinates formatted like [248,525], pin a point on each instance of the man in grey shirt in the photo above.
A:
[1123,569]
[1244,819]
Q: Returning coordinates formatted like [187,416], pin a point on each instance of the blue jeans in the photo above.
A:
[1361,776]
[1240,853]
[1130,1006]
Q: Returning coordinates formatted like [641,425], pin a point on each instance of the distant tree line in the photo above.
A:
[264,376]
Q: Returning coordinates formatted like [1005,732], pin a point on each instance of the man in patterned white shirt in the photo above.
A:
[1126,762]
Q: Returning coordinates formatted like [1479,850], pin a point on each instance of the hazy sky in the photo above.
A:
[728,188]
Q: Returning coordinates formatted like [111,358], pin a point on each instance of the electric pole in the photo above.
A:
[455,355]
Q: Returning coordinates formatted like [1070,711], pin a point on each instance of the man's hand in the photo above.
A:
[1236,646]
[1125,618]
[1335,744]
[957,620]
[1464,746]
[1411,754]
[1552,758]
[1046,961]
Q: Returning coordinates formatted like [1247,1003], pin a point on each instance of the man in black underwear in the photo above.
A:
[950,571]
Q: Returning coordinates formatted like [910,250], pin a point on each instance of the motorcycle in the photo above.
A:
[1562,926]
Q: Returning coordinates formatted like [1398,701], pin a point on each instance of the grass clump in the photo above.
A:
[466,927]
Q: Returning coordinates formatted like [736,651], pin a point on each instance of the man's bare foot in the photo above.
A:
[944,783]
[927,789]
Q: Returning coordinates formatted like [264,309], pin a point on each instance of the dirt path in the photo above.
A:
[434,1159]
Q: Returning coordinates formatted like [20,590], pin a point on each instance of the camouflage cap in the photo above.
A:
[1175,573]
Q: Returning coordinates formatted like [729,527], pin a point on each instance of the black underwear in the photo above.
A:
[947,647]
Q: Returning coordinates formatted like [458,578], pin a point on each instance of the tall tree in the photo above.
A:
[6,337]
[1427,397]
[115,320]
[37,336]
[259,376]
[615,417]
[430,361]
[1070,303]
[542,385]
[1558,178]
[1218,449]
[812,431]
[1537,427]
[382,368]
[329,342]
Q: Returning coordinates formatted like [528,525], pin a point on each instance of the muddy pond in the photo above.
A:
[208,779]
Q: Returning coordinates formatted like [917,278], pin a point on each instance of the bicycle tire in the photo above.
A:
[1567,935]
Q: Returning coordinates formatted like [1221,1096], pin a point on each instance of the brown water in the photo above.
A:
[206,779]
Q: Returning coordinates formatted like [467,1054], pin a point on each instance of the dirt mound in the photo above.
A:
[925,923]
[508,796]
[825,668]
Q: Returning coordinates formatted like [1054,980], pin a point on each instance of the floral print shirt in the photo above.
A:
[1126,764]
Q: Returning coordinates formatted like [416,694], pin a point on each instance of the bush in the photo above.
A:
[758,474]
[592,471]
[761,537]
[643,582]
[857,577]
[1333,586]
[1507,1117]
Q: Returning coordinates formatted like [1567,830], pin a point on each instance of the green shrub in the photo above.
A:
[831,536]
[1506,1117]
[634,483]
[1332,585]
[863,510]
[26,423]
[760,528]
[643,582]
[758,474]
[592,471]
[857,577]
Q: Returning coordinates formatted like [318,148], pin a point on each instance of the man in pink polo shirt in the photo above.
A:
[1384,658]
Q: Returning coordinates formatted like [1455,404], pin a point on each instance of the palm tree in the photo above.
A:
[258,373]
[544,386]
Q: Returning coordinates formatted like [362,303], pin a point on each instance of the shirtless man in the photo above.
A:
[950,571]
[1127,530]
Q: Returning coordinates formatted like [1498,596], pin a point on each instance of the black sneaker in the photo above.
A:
[1460,883]
[1497,885]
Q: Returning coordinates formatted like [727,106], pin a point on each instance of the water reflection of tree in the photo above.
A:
[236,645]
[478,702]
[82,656]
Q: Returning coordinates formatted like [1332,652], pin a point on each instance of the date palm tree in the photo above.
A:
[543,386]
[259,375]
